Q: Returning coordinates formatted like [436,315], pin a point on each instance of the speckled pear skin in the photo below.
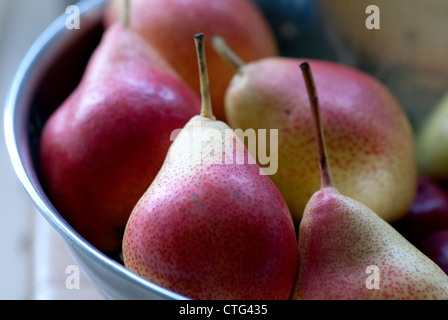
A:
[339,238]
[369,138]
[212,231]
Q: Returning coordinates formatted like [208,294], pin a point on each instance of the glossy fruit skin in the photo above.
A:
[369,138]
[435,246]
[428,213]
[212,231]
[339,238]
[104,145]
[170,24]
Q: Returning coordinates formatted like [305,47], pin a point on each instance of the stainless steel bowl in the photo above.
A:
[48,73]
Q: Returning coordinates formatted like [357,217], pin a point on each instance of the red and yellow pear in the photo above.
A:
[347,252]
[211,226]
[371,143]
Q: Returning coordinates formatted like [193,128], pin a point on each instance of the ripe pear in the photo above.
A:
[239,20]
[211,226]
[105,144]
[432,142]
[346,251]
[371,142]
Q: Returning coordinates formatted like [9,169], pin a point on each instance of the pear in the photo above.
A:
[370,138]
[239,20]
[105,143]
[211,226]
[346,251]
[432,142]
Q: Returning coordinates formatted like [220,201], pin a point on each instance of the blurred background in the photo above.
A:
[408,54]
[33,259]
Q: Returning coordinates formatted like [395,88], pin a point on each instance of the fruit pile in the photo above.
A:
[146,158]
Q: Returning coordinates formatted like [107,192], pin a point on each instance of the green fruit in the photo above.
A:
[432,142]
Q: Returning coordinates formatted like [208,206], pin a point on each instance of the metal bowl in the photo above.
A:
[48,73]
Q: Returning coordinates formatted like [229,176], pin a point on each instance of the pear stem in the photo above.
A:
[206,107]
[221,47]
[125,13]
[326,179]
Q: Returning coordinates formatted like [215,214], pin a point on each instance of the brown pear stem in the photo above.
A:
[221,47]
[125,13]
[326,179]
[206,107]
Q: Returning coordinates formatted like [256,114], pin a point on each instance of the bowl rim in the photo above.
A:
[28,179]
